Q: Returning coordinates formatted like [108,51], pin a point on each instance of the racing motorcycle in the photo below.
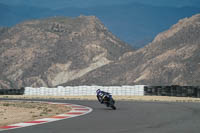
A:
[109,101]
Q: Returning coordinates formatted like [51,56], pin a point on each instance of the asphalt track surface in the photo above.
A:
[130,117]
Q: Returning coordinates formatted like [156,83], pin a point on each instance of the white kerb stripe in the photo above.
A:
[23,124]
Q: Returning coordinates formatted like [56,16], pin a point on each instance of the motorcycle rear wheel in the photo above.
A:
[113,107]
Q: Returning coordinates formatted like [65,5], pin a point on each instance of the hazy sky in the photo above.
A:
[133,21]
[55,4]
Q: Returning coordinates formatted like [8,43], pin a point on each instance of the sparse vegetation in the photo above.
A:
[6,104]
[19,111]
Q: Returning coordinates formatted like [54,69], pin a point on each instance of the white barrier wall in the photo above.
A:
[137,90]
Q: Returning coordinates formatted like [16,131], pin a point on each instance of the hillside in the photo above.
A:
[81,51]
[172,58]
[3,30]
[53,51]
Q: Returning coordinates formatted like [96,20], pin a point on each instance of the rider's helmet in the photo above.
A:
[98,91]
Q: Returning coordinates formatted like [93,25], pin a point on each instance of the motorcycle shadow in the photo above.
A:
[109,109]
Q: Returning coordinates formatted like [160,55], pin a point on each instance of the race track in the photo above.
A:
[130,117]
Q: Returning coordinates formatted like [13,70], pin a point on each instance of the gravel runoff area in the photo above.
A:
[20,111]
[121,98]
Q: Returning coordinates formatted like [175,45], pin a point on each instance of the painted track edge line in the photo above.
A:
[72,113]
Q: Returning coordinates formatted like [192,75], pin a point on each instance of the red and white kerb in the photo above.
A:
[76,110]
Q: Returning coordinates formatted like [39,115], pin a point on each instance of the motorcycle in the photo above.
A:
[109,101]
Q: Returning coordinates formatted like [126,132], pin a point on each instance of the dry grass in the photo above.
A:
[124,98]
[21,111]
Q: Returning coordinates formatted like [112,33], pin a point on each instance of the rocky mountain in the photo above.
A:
[81,51]
[171,59]
[3,30]
[53,51]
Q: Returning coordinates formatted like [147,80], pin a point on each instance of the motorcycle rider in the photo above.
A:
[103,97]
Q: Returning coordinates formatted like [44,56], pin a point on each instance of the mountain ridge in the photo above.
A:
[81,51]
[52,51]
[169,61]
[121,20]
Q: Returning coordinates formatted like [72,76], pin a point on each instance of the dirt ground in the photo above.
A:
[15,112]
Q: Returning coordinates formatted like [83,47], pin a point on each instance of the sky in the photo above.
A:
[136,22]
[56,4]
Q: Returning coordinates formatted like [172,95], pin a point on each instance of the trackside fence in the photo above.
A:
[137,90]
[12,91]
[174,90]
